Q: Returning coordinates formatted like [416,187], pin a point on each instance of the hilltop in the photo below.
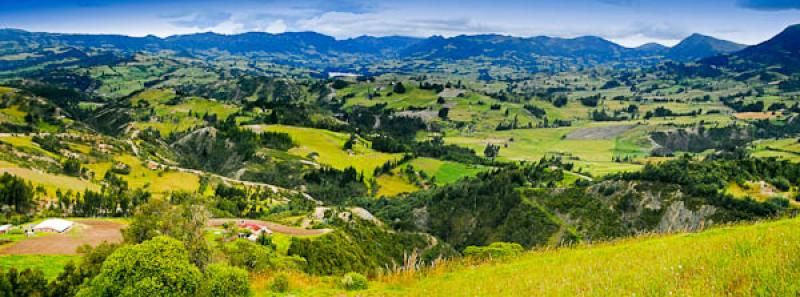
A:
[698,46]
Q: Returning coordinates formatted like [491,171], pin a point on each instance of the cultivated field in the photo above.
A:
[91,232]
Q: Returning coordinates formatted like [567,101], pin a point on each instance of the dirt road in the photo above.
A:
[278,228]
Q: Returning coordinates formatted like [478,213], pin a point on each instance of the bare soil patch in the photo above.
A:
[91,232]
[272,226]
[755,115]
[605,132]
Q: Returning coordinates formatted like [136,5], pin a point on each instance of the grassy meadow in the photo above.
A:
[327,147]
[743,260]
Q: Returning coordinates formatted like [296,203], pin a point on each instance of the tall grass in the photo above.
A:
[758,260]
[762,259]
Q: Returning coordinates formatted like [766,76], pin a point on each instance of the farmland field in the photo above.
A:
[327,147]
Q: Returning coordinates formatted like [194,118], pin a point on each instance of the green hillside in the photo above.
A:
[742,260]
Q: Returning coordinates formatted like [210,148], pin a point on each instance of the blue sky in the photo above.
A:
[629,22]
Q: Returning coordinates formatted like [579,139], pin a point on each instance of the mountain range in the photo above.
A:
[436,47]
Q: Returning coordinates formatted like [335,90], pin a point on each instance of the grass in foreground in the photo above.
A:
[51,265]
[749,260]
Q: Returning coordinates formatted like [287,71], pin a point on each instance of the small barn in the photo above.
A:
[53,225]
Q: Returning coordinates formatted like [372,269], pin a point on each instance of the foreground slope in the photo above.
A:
[760,259]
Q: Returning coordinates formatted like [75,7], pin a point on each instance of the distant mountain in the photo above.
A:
[698,46]
[783,50]
[459,47]
[497,46]
[314,50]
[655,49]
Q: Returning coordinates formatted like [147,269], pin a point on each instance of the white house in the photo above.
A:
[53,225]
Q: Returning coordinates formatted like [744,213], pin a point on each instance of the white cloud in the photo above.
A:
[278,26]
[346,24]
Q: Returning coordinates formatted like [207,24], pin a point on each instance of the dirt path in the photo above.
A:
[272,226]
[92,232]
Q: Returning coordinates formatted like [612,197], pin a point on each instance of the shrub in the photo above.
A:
[157,267]
[224,280]
[249,255]
[280,283]
[354,281]
[399,88]
[494,250]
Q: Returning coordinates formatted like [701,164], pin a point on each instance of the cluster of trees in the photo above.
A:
[16,195]
[560,101]
[666,112]
[591,101]
[335,186]
[49,142]
[392,164]
[114,199]
[535,110]
[518,204]
[358,246]
[249,202]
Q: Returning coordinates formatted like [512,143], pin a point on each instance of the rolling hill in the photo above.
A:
[782,50]
[698,46]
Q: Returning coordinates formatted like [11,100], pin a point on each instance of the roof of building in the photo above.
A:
[255,227]
[54,224]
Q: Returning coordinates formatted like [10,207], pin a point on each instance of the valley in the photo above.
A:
[300,164]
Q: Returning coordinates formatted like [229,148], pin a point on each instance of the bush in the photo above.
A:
[494,250]
[399,88]
[249,255]
[224,280]
[354,281]
[280,283]
[157,267]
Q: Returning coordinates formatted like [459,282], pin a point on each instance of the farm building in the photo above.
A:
[53,225]
[4,228]
[255,231]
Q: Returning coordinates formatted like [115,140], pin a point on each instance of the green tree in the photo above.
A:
[399,88]
[491,151]
[225,281]
[184,222]
[249,255]
[157,267]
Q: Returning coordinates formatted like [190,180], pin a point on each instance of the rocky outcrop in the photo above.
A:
[679,218]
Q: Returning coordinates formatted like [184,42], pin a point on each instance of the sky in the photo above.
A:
[628,22]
